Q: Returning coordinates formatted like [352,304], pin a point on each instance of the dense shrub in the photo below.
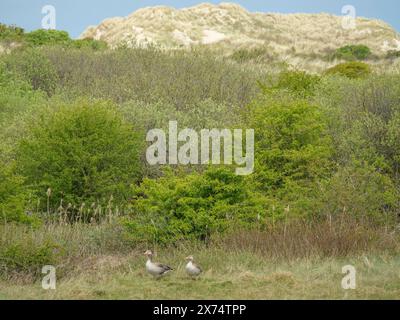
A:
[16,95]
[178,78]
[364,120]
[47,37]
[13,198]
[84,152]
[27,257]
[298,83]
[192,206]
[204,114]
[11,33]
[89,43]
[44,37]
[363,124]
[292,150]
[352,70]
[360,190]
[353,52]
[32,66]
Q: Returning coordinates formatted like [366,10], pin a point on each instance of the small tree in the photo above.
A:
[84,152]
[293,151]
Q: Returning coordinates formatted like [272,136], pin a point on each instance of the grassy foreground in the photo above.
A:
[298,260]
[236,275]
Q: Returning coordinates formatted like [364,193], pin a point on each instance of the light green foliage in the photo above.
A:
[10,33]
[194,206]
[13,198]
[297,83]
[352,70]
[292,149]
[47,37]
[84,152]
[16,96]
[89,43]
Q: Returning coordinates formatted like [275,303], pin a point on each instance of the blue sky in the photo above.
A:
[75,15]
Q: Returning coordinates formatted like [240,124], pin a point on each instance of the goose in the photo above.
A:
[192,269]
[154,268]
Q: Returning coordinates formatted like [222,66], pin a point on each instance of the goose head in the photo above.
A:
[189,258]
[148,254]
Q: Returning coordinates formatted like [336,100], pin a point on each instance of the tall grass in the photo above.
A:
[331,237]
[284,241]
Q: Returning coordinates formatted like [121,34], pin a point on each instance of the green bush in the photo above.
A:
[84,152]
[89,43]
[32,66]
[47,37]
[352,70]
[194,206]
[360,190]
[292,150]
[43,37]
[298,83]
[353,52]
[13,198]
[11,33]
[16,96]
[27,257]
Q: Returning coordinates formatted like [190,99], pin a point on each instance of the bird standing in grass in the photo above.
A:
[154,268]
[192,269]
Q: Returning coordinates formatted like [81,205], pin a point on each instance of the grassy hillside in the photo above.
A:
[306,41]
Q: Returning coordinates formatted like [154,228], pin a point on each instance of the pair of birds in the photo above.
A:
[158,269]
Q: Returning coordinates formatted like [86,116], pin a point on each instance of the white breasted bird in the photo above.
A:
[154,268]
[192,268]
